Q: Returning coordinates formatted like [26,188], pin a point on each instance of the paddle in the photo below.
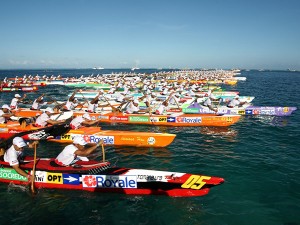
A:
[32,188]
[85,100]
[114,109]
[103,151]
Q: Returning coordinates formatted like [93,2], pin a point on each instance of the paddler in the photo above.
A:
[84,120]
[163,106]
[75,152]
[92,105]
[5,114]
[71,104]
[44,119]
[235,102]
[16,100]
[13,154]
[133,107]
[208,101]
[39,102]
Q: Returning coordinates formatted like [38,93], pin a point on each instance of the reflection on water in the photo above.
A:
[220,132]
[17,188]
[280,121]
[155,152]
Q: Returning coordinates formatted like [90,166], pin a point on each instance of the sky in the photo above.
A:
[222,34]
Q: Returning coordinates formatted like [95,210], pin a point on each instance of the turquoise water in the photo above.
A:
[258,157]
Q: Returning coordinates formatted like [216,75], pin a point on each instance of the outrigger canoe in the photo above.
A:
[24,89]
[62,134]
[97,176]
[31,132]
[246,110]
[171,119]
[117,137]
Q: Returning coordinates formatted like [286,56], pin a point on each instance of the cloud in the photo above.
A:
[20,62]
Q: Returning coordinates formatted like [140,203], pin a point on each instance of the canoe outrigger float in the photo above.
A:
[97,176]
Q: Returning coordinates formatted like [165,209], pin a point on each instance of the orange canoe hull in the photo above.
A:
[181,119]
[118,138]
[175,119]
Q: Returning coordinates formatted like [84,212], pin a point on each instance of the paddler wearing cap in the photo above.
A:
[92,105]
[39,102]
[71,103]
[75,152]
[5,114]
[133,107]
[208,101]
[13,154]
[16,100]
[44,119]
[162,108]
[84,120]
[235,102]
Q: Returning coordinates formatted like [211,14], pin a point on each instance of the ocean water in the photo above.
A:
[259,157]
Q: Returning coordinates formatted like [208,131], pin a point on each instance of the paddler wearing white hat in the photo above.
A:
[44,119]
[84,120]
[5,114]
[76,151]
[39,102]
[16,100]
[235,102]
[13,153]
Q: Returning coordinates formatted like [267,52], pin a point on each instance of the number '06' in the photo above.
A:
[195,182]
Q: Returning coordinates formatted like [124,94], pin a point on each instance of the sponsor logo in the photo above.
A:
[162,119]
[171,119]
[149,177]
[110,140]
[102,118]
[174,110]
[158,119]
[40,176]
[138,119]
[267,112]
[151,141]
[154,119]
[127,138]
[118,118]
[255,112]
[54,178]
[71,179]
[192,110]
[11,174]
[66,137]
[13,131]
[248,112]
[189,120]
[109,181]
[89,181]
